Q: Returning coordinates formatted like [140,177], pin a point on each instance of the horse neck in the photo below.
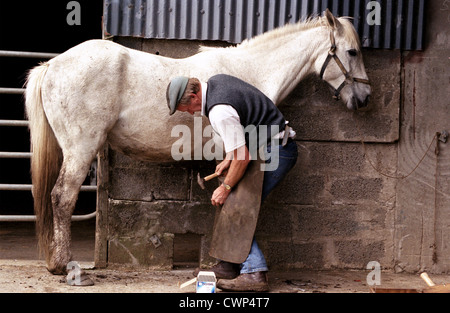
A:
[278,66]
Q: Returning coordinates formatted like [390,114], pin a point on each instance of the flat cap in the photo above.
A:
[175,92]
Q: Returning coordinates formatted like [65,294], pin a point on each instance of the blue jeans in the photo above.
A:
[255,261]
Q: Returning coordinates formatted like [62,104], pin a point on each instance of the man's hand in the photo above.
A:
[220,195]
[222,167]
[236,169]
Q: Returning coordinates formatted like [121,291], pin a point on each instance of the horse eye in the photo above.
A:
[352,52]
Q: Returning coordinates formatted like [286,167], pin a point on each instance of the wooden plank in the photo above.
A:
[101,229]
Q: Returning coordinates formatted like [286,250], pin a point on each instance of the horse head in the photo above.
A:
[343,68]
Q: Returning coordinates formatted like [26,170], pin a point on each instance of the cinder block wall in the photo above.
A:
[334,210]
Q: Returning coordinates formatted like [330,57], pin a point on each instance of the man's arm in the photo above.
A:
[237,167]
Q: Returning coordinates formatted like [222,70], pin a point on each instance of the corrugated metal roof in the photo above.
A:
[401,25]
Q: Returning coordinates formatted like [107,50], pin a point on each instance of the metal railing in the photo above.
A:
[27,155]
[24,54]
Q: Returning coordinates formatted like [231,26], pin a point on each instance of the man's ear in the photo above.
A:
[194,99]
[332,21]
[193,96]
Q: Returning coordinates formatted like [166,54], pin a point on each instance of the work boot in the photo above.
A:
[256,282]
[222,270]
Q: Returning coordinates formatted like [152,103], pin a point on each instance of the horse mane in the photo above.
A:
[347,30]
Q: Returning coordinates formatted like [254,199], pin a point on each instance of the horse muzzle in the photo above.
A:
[354,103]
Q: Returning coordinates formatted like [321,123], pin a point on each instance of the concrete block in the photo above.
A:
[297,188]
[358,188]
[314,223]
[135,180]
[309,255]
[274,222]
[357,253]
[139,252]
[205,259]
[133,219]
[197,218]
[326,157]
[284,255]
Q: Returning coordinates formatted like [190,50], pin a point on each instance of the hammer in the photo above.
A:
[201,181]
[433,288]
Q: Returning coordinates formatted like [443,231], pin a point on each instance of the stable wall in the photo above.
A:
[422,215]
[334,210]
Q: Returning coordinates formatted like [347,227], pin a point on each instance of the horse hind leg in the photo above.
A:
[64,196]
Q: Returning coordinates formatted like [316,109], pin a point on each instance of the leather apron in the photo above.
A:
[235,222]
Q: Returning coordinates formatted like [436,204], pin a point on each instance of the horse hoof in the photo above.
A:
[77,278]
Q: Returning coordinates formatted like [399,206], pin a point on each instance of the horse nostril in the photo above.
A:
[364,106]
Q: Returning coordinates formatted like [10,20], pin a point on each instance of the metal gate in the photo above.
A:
[27,155]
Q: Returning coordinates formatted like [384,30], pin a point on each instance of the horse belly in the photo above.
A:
[160,138]
[140,142]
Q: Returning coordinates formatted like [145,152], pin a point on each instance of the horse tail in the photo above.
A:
[45,161]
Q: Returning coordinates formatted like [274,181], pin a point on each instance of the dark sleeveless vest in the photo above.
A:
[252,106]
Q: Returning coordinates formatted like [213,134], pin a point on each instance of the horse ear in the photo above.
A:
[332,21]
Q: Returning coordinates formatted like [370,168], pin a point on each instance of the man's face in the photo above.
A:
[194,106]
[186,108]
